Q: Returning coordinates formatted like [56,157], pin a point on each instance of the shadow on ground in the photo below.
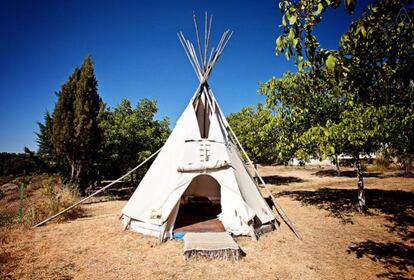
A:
[281,180]
[352,174]
[396,257]
[397,206]
[345,173]
[120,191]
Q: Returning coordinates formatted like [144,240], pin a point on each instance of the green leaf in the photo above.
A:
[279,42]
[292,19]
[295,42]
[287,54]
[350,5]
[363,31]
[319,10]
[331,62]
[284,20]
[291,35]
[300,66]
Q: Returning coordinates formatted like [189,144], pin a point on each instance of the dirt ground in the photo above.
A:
[338,243]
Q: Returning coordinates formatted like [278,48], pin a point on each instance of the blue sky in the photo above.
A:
[136,52]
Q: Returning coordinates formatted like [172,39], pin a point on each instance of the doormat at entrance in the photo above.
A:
[212,245]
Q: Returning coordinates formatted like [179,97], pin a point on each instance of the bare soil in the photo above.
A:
[338,242]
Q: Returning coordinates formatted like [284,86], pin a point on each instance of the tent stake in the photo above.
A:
[253,233]
[95,193]
[127,223]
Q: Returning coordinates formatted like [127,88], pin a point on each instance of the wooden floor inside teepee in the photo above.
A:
[198,217]
[212,225]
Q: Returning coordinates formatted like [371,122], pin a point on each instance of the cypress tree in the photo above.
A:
[76,118]
[45,151]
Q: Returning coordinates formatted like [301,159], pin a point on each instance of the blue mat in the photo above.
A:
[179,235]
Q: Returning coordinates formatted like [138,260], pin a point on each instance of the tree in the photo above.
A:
[300,101]
[372,67]
[254,127]
[320,121]
[46,155]
[130,135]
[16,164]
[76,131]
[44,137]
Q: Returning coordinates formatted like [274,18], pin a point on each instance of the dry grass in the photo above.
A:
[56,196]
[338,242]
[44,195]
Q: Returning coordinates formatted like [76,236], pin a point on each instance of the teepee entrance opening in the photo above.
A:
[199,206]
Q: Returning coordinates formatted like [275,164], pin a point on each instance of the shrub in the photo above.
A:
[55,197]
[381,163]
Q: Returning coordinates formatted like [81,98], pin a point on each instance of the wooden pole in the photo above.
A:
[196,59]
[182,40]
[209,32]
[205,42]
[209,59]
[198,37]
[227,40]
[95,193]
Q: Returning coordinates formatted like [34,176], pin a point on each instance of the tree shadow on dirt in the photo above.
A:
[352,174]
[396,257]
[346,173]
[397,206]
[281,180]
[117,192]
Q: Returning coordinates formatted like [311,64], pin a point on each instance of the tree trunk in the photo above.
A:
[72,173]
[360,176]
[338,170]
[75,174]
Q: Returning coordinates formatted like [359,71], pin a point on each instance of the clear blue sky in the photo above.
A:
[136,52]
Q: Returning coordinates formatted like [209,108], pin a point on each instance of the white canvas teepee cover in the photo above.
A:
[198,151]
[152,204]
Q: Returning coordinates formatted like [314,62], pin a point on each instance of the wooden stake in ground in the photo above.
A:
[95,193]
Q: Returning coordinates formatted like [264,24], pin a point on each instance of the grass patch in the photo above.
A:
[55,196]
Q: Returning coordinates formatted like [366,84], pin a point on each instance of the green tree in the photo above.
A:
[301,100]
[16,164]
[255,129]
[320,121]
[76,131]
[372,67]
[44,137]
[46,156]
[130,135]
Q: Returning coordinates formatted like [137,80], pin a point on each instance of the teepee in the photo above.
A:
[199,163]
